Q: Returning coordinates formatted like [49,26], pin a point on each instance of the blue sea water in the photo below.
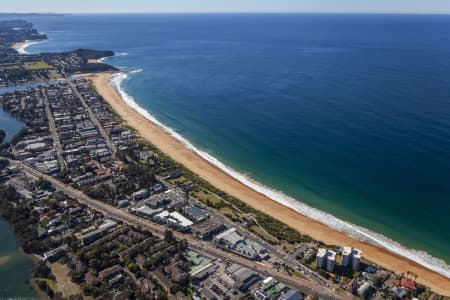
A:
[349,114]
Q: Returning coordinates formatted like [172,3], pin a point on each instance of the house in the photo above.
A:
[119,278]
[139,195]
[55,254]
[91,279]
[109,272]
[140,260]
[107,225]
[157,187]
[123,203]
[93,235]
[177,274]
[398,292]
[364,290]
[408,284]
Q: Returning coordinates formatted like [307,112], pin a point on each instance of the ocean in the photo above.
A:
[344,117]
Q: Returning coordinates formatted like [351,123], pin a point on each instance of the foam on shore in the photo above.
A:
[21,47]
[357,232]
[102,60]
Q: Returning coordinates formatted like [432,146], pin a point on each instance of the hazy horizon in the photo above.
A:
[229,6]
[224,12]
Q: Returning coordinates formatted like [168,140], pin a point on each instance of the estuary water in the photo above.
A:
[15,267]
[348,114]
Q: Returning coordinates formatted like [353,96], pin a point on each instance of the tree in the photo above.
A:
[43,184]
[87,290]
[2,135]
[168,235]
[43,271]
[95,263]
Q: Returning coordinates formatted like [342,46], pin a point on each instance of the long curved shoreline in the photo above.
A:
[352,230]
[21,47]
[217,177]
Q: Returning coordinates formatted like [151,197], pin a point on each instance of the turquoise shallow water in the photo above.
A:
[349,113]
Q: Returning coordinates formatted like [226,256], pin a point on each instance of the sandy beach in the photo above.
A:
[225,182]
[20,47]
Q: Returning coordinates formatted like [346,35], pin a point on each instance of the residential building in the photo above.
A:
[364,290]
[346,256]
[321,257]
[331,260]
[356,258]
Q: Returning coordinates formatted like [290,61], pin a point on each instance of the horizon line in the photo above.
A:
[231,12]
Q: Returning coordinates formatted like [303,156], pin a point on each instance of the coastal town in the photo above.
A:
[107,215]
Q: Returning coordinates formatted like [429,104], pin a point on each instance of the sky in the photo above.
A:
[124,6]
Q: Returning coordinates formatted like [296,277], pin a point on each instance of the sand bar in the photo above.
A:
[166,143]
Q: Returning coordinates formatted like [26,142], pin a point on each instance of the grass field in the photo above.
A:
[37,65]
[9,66]
[260,232]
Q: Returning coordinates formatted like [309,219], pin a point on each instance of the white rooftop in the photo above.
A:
[225,233]
[163,214]
[267,280]
[356,253]
[331,255]
[347,251]
[183,221]
[322,252]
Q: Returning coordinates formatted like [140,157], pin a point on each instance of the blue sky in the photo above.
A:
[117,6]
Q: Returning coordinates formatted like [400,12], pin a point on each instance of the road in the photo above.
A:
[94,119]
[52,127]
[204,248]
[288,259]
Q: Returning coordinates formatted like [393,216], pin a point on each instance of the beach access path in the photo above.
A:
[221,180]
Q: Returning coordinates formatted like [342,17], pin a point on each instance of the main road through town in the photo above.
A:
[203,247]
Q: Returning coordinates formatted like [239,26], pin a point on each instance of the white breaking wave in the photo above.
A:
[355,231]
[23,46]
[102,60]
